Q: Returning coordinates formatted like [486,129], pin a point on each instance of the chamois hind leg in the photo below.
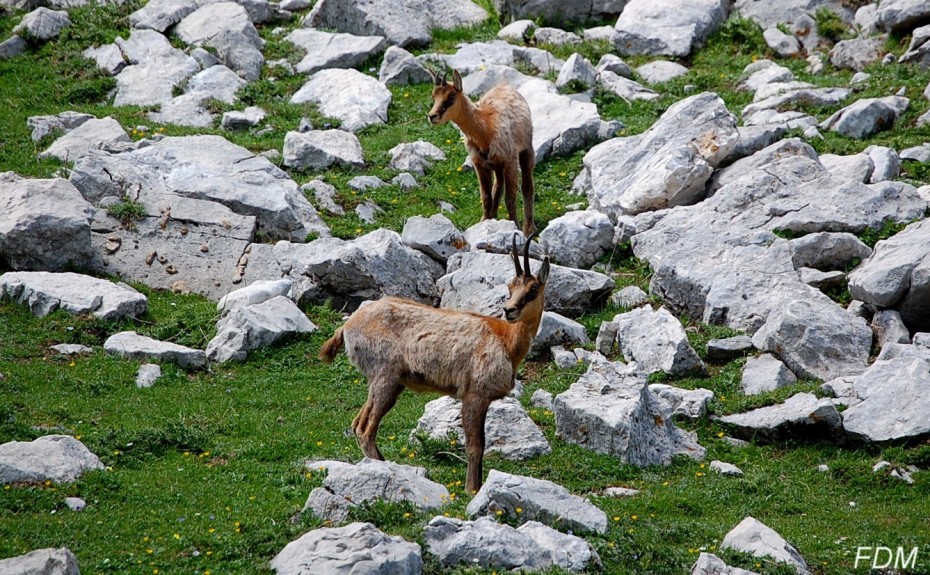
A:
[484,185]
[474,413]
[497,191]
[381,398]
[510,181]
[527,163]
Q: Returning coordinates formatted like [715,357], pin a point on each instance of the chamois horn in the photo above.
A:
[526,253]
[516,256]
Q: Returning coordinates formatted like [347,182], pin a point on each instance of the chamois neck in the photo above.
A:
[472,123]
[522,335]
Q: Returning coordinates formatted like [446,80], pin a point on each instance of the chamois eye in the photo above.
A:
[450,100]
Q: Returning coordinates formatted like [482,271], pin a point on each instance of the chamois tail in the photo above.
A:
[330,349]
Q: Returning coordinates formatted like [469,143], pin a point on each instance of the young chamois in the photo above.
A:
[499,139]
[398,343]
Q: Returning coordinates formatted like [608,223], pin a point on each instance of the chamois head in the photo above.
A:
[447,98]
[526,291]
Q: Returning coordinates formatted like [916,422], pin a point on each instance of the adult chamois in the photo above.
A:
[498,134]
[398,343]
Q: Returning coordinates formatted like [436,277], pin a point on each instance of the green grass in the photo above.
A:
[204,470]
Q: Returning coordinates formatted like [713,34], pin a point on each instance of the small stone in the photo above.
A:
[620,492]
[823,468]
[562,357]
[629,297]
[147,375]
[75,503]
[541,399]
[724,468]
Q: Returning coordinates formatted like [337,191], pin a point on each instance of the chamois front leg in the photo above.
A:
[381,398]
[484,185]
[474,413]
[527,163]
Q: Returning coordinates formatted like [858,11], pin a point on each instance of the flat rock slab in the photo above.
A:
[665,166]
[667,27]
[356,100]
[403,23]
[894,406]
[353,549]
[348,485]
[754,537]
[350,272]
[487,544]
[45,292]
[611,410]
[656,341]
[801,415]
[329,50]
[90,135]
[159,15]
[508,429]
[56,458]
[477,281]
[211,19]
[538,500]
[42,562]
[44,224]
[130,345]
[256,326]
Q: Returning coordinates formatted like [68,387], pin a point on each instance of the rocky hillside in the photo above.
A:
[733,368]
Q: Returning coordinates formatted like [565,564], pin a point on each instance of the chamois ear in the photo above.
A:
[516,257]
[543,274]
[457,80]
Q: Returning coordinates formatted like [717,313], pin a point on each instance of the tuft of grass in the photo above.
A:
[127,211]
[829,24]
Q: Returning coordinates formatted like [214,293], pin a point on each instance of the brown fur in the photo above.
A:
[398,343]
[499,138]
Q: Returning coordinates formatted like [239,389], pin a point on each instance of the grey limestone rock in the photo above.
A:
[754,537]
[539,500]
[155,69]
[858,167]
[435,236]
[108,58]
[238,52]
[349,96]
[625,88]
[363,183]
[44,224]
[577,239]
[147,375]
[659,71]
[690,403]
[508,429]
[576,69]
[538,59]
[765,373]
[66,121]
[90,135]
[612,411]
[56,458]
[557,36]
[355,548]
[919,154]
[866,117]
[70,348]
[555,329]
[350,272]
[728,348]
[255,293]
[400,68]
[159,15]
[901,15]
[560,10]
[886,161]
[256,326]
[488,544]
[244,119]
[332,50]
[667,27]
[477,281]
[45,292]
[801,415]
[474,56]
[821,280]
[665,166]
[130,345]
[43,24]
[615,64]
[12,47]
[894,396]
[889,327]
[369,480]
[858,53]
[49,561]
[415,157]
[724,468]
[207,21]
[518,30]
[785,45]
[320,149]
[710,564]
[75,503]
[788,11]
[629,297]
[403,23]
[656,341]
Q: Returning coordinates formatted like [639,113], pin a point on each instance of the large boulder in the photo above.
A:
[897,274]
[403,23]
[508,428]
[656,341]
[612,411]
[350,550]
[351,271]
[348,485]
[349,96]
[667,27]
[665,166]
[42,562]
[484,543]
[477,281]
[538,500]
[56,458]
[901,16]
[578,239]
[44,224]
[328,50]
[45,292]
[894,394]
